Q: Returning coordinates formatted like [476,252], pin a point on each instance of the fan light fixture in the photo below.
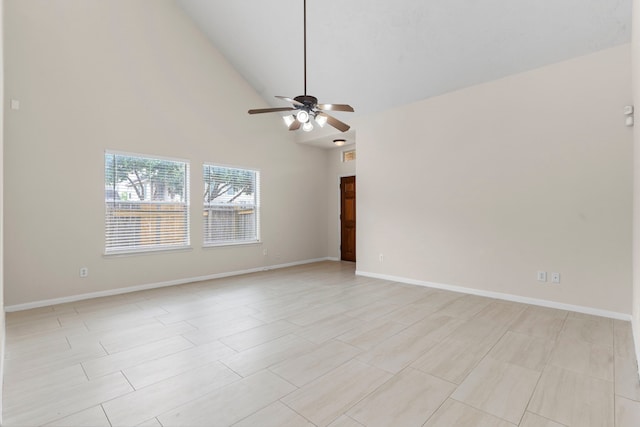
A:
[339,142]
[288,120]
[306,106]
[302,116]
[321,120]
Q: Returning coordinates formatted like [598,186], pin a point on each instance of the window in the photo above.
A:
[348,156]
[147,206]
[231,205]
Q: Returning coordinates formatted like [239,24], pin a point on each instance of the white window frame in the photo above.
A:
[244,204]
[144,209]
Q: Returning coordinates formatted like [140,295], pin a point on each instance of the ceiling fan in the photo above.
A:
[307,106]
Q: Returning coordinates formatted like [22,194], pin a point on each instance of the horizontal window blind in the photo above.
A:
[231,205]
[146,201]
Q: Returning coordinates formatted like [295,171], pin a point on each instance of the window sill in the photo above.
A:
[231,244]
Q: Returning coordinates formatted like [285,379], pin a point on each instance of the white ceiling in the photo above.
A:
[377,54]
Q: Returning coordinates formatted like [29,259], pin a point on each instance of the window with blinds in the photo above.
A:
[146,203]
[231,205]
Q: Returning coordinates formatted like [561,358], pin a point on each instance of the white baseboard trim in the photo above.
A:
[502,296]
[118,291]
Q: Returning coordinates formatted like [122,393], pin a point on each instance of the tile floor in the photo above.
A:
[316,345]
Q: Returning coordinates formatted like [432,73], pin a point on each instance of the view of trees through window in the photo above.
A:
[146,203]
[230,205]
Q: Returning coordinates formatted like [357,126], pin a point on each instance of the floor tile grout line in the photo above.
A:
[481,410]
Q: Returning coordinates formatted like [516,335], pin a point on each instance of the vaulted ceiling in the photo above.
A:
[378,54]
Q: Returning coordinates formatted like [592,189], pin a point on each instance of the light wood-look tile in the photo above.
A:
[31,341]
[627,412]
[17,370]
[42,325]
[540,322]
[434,299]
[626,368]
[435,327]
[302,369]
[315,314]
[478,331]
[174,364]
[465,307]
[41,386]
[345,421]
[399,351]
[125,359]
[583,357]
[417,310]
[501,312]
[209,332]
[361,352]
[452,359]
[498,388]
[373,311]
[592,329]
[371,333]
[67,401]
[150,423]
[409,314]
[35,314]
[329,328]
[533,420]
[122,320]
[523,350]
[36,347]
[140,405]
[401,294]
[230,404]
[94,417]
[259,335]
[274,415]
[573,399]
[114,341]
[250,361]
[453,413]
[325,399]
[407,399]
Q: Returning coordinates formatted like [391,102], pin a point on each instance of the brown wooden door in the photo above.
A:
[348,218]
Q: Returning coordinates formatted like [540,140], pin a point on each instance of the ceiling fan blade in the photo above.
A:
[341,126]
[270,110]
[335,107]
[291,100]
[295,125]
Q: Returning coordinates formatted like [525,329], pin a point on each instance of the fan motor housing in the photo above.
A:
[308,100]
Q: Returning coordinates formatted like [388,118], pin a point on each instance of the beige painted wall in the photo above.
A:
[337,169]
[134,76]
[483,187]
[2,104]
[635,43]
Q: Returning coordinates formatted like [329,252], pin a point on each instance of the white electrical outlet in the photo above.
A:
[265,252]
[381,258]
[542,276]
[555,277]
[84,272]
